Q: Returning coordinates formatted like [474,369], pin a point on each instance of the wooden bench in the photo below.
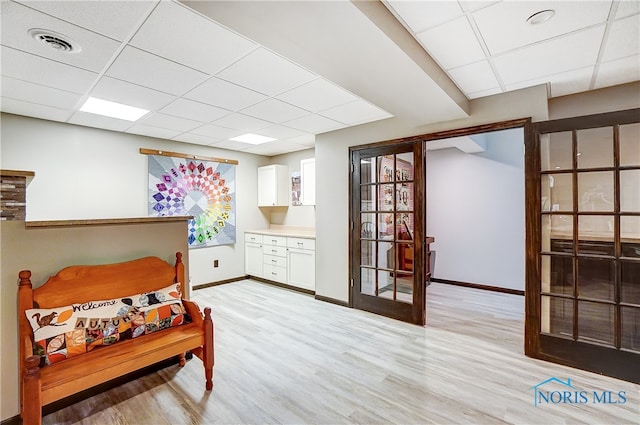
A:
[40,386]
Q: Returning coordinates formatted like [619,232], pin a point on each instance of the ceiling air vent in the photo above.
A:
[55,40]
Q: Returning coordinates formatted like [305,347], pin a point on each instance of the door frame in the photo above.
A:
[419,317]
[573,353]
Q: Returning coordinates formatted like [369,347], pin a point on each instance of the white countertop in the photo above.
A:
[291,231]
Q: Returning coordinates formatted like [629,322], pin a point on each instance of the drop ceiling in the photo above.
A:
[212,70]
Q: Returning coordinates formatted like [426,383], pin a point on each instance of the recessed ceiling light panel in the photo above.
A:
[112,109]
[541,17]
[55,40]
[254,139]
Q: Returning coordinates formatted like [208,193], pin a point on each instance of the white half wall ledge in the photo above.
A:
[464,143]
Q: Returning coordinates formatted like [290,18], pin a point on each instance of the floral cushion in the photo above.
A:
[68,331]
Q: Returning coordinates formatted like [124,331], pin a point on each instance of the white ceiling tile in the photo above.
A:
[421,15]
[99,121]
[19,107]
[131,94]
[35,93]
[115,19]
[275,111]
[307,140]
[231,144]
[241,122]
[315,124]
[201,43]
[216,132]
[623,39]
[169,122]
[194,110]
[550,57]
[145,69]
[573,81]
[451,51]
[17,20]
[225,95]
[266,72]
[474,4]
[483,93]
[317,95]
[279,132]
[196,139]
[626,8]
[616,72]
[475,77]
[147,130]
[503,25]
[274,148]
[357,112]
[24,66]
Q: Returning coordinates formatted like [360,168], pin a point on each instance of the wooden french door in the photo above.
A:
[583,243]
[387,231]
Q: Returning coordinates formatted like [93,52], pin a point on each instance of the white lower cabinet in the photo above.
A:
[281,259]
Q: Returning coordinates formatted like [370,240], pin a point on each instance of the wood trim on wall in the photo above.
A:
[480,286]
[219,282]
[187,156]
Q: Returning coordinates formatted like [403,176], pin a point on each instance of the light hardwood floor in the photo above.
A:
[285,358]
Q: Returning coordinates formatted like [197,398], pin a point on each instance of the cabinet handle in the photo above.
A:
[274,250]
[300,243]
[274,240]
[274,273]
[273,261]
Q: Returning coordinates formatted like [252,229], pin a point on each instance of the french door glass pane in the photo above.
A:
[385,256]
[368,198]
[596,322]
[385,168]
[404,167]
[595,147]
[385,198]
[630,190]
[630,144]
[385,226]
[557,316]
[596,279]
[367,170]
[385,284]
[630,282]
[595,191]
[557,192]
[557,233]
[368,226]
[404,200]
[630,318]
[556,151]
[557,274]
[596,235]
[368,253]
[630,236]
[368,281]
[404,287]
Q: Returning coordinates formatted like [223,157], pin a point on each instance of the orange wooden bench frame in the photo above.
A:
[80,284]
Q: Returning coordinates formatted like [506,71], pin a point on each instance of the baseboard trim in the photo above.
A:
[479,286]
[219,282]
[282,285]
[14,420]
[332,300]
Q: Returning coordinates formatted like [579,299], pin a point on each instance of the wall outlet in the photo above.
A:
[215,263]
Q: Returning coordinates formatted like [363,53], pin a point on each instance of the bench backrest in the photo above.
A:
[80,284]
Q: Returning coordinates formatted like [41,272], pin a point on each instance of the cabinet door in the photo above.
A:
[266,186]
[301,268]
[253,259]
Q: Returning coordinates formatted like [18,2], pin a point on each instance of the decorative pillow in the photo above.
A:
[68,331]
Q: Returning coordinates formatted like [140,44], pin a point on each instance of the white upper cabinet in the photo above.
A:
[273,186]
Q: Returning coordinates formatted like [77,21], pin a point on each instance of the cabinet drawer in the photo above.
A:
[278,251]
[275,261]
[301,243]
[252,237]
[274,240]
[279,274]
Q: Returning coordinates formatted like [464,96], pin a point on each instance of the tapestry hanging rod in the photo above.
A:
[187,156]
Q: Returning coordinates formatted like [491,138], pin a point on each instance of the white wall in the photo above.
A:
[475,211]
[82,172]
[332,168]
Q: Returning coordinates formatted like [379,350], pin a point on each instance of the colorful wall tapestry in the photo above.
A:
[206,190]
